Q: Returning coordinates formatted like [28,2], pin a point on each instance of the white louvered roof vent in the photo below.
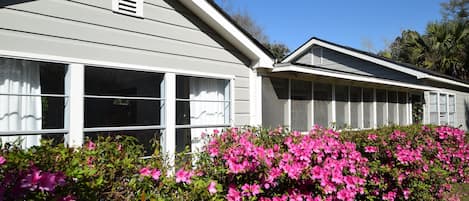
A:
[128,7]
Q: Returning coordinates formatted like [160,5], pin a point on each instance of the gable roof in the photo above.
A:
[419,73]
[222,23]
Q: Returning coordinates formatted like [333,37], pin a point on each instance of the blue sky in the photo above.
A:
[352,23]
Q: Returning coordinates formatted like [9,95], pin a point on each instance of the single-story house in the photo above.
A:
[171,70]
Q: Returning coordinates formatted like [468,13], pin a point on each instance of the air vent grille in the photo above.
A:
[128,7]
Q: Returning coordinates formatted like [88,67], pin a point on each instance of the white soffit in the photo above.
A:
[230,32]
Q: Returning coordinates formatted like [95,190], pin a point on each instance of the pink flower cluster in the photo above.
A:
[154,173]
[183,176]
[314,166]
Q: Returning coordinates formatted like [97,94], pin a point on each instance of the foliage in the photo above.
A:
[444,45]
[395,163]
[247,22]
[413,163]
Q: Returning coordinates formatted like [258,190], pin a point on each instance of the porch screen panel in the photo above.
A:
[381,115]
[402,108]
[355,107]
[368,107]
[341,106]
[301,96]
[451,110]
[275,97]
[392,107]
[322,104]
[443,109]
[433,108]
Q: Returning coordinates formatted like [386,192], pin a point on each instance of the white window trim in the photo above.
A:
[447,94]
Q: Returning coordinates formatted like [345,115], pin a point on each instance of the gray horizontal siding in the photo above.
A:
[340,62]
[168,36]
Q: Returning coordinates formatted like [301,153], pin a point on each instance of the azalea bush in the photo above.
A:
[393,163]
[413,162]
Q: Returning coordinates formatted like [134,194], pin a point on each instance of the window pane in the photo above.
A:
[402,108]
[355,107]
[368,107]
[443,103]
[301,95]
[381,115]
[392,107]
[433,107]
[275,102]
[322,104]
[341,106]
[206,101]
[451,103]
[146,138]
[417,108]
[113,82]
[27,113]
[121,112]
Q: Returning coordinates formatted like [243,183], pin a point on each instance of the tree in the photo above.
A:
[455,10]
[247,22]
[443,47]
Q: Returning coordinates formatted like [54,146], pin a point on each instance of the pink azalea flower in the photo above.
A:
[372,137]
[90,145]
[183,176]
[145,172]
[233,194]
[406,193]
[371,149]
[2,160]
[155,174]
[212,187]
[32,179]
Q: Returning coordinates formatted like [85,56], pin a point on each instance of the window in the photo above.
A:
[355,107]
[442,108]
[202,104]
[123,102]
[322,104]
[341,106]
[32,97]
[301,96]
[381,107]
[402,96]
[368,99]
[128,7]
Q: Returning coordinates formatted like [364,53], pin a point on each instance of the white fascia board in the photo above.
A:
[294,68]
[230,32]
[448,81]
[381,62]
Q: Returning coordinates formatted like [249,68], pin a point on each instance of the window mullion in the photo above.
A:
[74,107]
[169,136]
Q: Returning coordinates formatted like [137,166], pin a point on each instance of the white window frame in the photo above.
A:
[447,95]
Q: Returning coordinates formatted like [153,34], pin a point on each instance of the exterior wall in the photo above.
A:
[329,59]
[168,37]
